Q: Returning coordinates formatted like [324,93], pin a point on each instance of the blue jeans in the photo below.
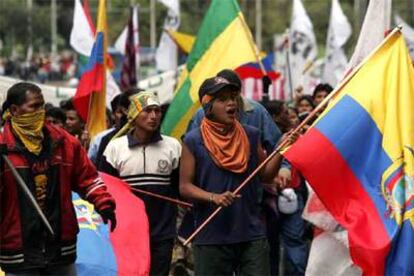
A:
[290,231]
[66,270]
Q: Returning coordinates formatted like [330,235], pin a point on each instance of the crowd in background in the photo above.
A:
[40,67]
[273,118]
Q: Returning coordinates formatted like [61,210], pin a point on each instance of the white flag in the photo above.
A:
[376,23]
[338,33]
[81,36]
[121,41]
[302,47]
[408,33]
[82,39]
[166,53]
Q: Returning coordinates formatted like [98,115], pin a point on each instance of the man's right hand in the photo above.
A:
[225,199]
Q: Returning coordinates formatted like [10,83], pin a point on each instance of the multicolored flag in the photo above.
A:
[122,252]
[359,159]
[250,73]
[184,41]
[129,72]
[251,76]
[121,41]
[223,41]
[90,98]
[82,40]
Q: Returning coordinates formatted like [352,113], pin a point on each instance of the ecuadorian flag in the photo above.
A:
[90,97]
[223,41]
[359,158]
[122,252]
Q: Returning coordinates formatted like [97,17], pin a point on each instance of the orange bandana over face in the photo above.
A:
[229,147]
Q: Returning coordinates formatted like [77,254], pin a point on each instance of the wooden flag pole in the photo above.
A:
[295,131]
[169,199]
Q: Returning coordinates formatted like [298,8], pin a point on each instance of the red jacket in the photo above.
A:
[24,242]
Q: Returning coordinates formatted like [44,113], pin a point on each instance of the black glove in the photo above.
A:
[3,151]
[108,214]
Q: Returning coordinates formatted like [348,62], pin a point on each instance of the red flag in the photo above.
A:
[131,238]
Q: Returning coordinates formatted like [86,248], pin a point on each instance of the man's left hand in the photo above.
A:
[108,214]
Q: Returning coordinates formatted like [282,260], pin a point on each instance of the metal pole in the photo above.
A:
[153,38]
[53,26]
[29,27]
[259,24]
[411,12]
[29,195]
[288,69]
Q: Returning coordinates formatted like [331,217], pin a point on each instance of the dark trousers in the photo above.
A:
[161,254]
[66,270]
[246,258]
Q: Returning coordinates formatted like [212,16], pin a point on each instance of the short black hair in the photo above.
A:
[17,94]
[322,87]
[274,107]
[56,112]
[123,98]
[67,105]
[307,98]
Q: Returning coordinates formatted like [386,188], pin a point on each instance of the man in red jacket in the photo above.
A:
[52,164]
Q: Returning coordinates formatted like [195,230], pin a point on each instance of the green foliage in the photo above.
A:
[14,19]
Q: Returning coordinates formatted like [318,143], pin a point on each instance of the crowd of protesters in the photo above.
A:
[227,138]
[40,68]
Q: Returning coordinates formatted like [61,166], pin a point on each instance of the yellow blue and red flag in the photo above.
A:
[359,158]
[125,251]
[90,97]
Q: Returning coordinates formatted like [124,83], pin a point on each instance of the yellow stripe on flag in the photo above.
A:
[379,98]
[219,56]
[97,110]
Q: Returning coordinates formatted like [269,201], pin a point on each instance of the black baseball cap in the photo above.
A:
[231,76]
[213,85]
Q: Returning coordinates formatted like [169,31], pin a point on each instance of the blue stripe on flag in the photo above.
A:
[95,255]
[97,55]
[349,121]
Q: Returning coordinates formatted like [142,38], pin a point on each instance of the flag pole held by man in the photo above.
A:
[364,174]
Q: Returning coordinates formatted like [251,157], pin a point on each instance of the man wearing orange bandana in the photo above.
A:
[52,163]
[216,158]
